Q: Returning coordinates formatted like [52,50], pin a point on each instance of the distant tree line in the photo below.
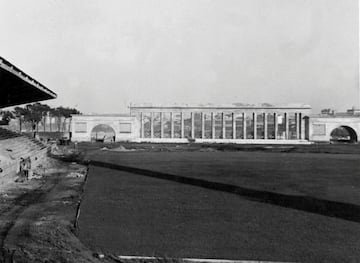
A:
[37,113]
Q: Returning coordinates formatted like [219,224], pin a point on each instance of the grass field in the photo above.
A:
[223,204]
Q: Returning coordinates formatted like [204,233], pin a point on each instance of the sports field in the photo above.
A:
[220,204]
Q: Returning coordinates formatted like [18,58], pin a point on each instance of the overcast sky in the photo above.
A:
[100,55]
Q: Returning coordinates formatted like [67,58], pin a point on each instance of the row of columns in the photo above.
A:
[299,124]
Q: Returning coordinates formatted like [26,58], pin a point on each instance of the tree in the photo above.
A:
[66,114]
[35,113]
[20,113]
[62,114]
[6,116]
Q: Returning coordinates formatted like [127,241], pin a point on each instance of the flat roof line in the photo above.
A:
[21,74]
[219,107]
[198,260]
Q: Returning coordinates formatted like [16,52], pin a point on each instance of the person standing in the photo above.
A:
[27,167]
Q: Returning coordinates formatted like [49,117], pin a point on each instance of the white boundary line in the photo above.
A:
[199,260]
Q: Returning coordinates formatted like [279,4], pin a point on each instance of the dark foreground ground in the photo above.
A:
[280,204]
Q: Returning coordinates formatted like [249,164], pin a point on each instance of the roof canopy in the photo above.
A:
[19,88]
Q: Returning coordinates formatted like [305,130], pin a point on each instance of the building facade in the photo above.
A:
[289,124]
[226,123]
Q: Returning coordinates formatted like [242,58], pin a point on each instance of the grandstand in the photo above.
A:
[19,88]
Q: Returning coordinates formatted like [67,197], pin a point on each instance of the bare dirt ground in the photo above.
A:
[38,216]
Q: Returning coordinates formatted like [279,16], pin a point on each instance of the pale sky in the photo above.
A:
[100,55]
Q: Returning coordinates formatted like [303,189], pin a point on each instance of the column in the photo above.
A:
[275,126]
[286,117]
[142,125]
[161,125]
[302,128]
[192,125]
[223,126]
[172,124]
[182,124]
[244,125]
[233,125]
[151,125]
[297,124]
[212,125]
[265,125]
[202,125]
[254,125]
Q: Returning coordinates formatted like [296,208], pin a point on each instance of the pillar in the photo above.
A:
[223,126]
[171,125]
[202,125]
[275,126]
[151,125]
[297,124]
[254,125]
[286,117]
[192,125]
[244,125]
[161,125]
[212,125]
[142,133]
[265,125]
[182,124]
[302,127]
[233,125]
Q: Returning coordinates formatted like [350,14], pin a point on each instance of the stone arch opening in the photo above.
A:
[103,133]
[343,134]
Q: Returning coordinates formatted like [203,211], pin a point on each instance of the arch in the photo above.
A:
[344,133]
[103,133]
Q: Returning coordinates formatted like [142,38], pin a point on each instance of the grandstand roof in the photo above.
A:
[19,88]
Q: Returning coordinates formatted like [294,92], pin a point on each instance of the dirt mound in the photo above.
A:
[117,149]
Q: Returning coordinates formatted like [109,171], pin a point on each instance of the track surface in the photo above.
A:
[232,205]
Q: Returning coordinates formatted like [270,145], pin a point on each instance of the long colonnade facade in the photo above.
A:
[222,123]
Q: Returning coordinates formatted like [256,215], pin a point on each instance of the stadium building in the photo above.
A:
[19,88]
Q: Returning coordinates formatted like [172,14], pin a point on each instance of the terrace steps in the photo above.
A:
[14,146]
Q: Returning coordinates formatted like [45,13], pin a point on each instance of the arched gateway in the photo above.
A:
[104,127]
[335,128]
[103,133]
[344,134]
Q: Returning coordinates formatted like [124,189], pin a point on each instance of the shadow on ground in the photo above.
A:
[335,209]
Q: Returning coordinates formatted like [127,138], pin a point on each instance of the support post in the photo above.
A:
[212,125]
[286,115]
[223,126]
[265,125]
[275,126]
[202,125]
[161,125]
[233,125]
[192,125]
[151,125]
[142,124]
[297,124]
[244,125]
[172,125]
[302,128]
[254,125]
[182,124]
